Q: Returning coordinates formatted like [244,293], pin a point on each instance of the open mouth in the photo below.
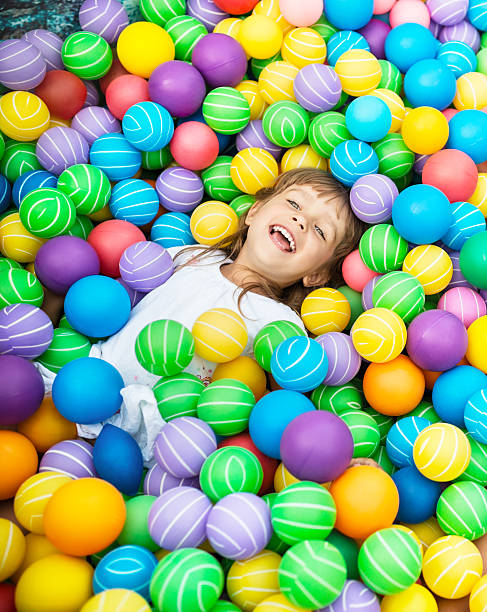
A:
[282,238]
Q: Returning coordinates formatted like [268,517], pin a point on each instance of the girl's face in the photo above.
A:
[292,235]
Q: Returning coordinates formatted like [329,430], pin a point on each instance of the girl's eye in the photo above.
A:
[293,204]
[320,231]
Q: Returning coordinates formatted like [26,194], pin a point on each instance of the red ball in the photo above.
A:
[236,7]
[63,92]
[194,145]
[125,91]
[355,273]
[115,71]
[7,597]
[110,239]
[452,171]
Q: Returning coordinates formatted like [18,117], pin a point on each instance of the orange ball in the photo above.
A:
[395,387]
[246,370]
[366,500]
[18,461]
[47,426]
[84,516]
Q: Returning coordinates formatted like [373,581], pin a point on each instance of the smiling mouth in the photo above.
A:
[282,238]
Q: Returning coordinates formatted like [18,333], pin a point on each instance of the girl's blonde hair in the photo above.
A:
[325,185]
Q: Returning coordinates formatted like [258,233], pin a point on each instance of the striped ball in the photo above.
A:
[299,364]
[276,82]
[475,416]
[74,458]
[253,169]
[13,548]
[471,91]
[462,510]
[463,302]
[343,360]
[179,189]
[447,13]
[94,121]
[47,212]
[317,88]
[277,603]
[19,157]
[457,279]
[400,292]
[27,182]
[228,470]
[254,136]
[379,335]
[217,179]
[372,197]
[325,310]
[282,479]
[338,399]
[185,31]
[395,158]
[26,329]
[426,410]
[86,186]
[359,72]
[342,41]
[146,265]
[226,405]
[458,57]
[257,104]
[269,337]
[351,160]
[477,600]
[49,44]
[242,203]
[226,110]
[302,156]
[303,46]
[19,286]
[441,452]
[229,26]
[157,481]
[23,115]
[106,18]
[327,131]
[172,229]
[87,55]
[22,65]
[382,249]
[66,345]
[61,147]
[220,335]
[114,154]
[162,11]
[212,222]
[135,201]
[285,123]
[148,126]
[207,12]
[355,596]
[365,432]
[92,95]
[479,196]
[178,395]
[16,241]
[401,438]
[164,347]
[467,220]
[251,581]
[431,265]
[395,104]
[275,543]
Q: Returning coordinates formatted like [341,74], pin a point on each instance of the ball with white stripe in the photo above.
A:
[145,266]
[466,220]
[464,303]
[355,597]
[114,154]
[317,88]
[94,121]
[299,364]
[179,189]
[372,197]
[343,360]
[21,65]
[28,329]
[61,147]
[135,201]
[475,416]
[148,126]
[207,12]
[353,159]
[220,335]
[164,347]
[157,481]
[73,458]
[178,395]
[462,510]
[401,438]
[49,44]
[104,17]
[365,431]
[226,405]
[126,567]
[172,229]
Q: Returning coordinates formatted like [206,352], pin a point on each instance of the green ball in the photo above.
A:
[226,405]
[187,580]
[404,181]
[185,32]
[226,110]
[395,159]
[178,395]
[383,422]
[275,543]
[354,298]
[338,399]
[426,410]
[242,203]
[164,347]
[225,606]
[462,510]
[86,55]
[382,458]
[327,131]
[482,61]
[270,336]
[390,561]
[382,249]
[400,292]
[81,227]
[217,181]
[473,260]
[87,187]
[18,286]
[477,468]
[156,160]
[391,77]
[136,528]
[2,145]
[483,40]
[364,430]
[285,123]
[312,574]
[258,65]
[19,158]
[324,28]
[9,264]
[349,549]
[342,100]
[47,212]
[66,346]
[161,11]
[230,469]
[303,511]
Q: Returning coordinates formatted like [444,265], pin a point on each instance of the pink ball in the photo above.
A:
[355,273]
[383,6]
[303,13]
[194,145]
[125,91]
[409,11]
[463,302]
[449,113]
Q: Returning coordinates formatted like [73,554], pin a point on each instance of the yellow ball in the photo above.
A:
[379,335]
[252,580]
[260,36]
[58,122]
[431,265]
[471,91]
[477,341]
[425,130]
[142,46]
[230,27]
[101,215]
[276,82]
[36,547]
[396,106]
[16,242]
[283,478]
[23,115]
[219,335]
[479,196]
[278,603]
[270,8]
[56,583]
[303,46]
[302,156]
[441,452]
[32,497]
[245,369]
[359,72]
[478,596]
[12,545]
[213,221]
[250,91]
[30,267]
[416,598]
[325,310]
[451,567]
[428,531]
[121,600]
[252,169]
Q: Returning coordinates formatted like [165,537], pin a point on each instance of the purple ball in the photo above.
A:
[22,389]
[457,279]
[372,197]
[63,260]
[177,519]
[317,88]
[463,31]
[49,44]
[354,596]
[239,526]
[343,360]
[435,28]
[71,457]
[135,296]
[220,59]
[94,121]
[437,340]
[157,481]
[59,148]
[178,86]
[92,95]
[367,302]
[183,445]
[179,189]
[145,265]
[28,329]
[447,13]
[22,65]
[420,161]
[207,12]
[106,18]
[317,446]
[483,295]
[253,136]
[375,33]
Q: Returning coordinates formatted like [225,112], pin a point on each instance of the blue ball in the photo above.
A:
[87,390]
[467,220]
[97,306]
[5,193]
[421,214]
[224,140]
[114,154]
[271,415]
[476,416]
[477,14]
[430,83]
[418,495]
[401,437]
[408,43]
[353,159]
[126,567]
[27,182]
[349,14]
[468,133]
[344,41]
[135,201]
[299,364]
[453,389]
[368,118]
[115,447]
[172,229]
[148,126]
[459,57]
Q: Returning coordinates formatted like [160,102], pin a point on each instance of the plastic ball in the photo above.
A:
[351,160]
[19,286]
[16,241]
[157,481]
[177,395]
[212,222]
[354,594]
[73,458]
[409,43]
[430,83]
[244,369]
[217,180]
[87,55]
[401,293]
[401,437]
[453,504]
[474,417]
[220,59]
[22,387]
[26,329]
[302,156]
[463,302]
[251,581]
[47,212]
[472,259]
[226,110]
[425,130]
[269,337]
[359,72]
[148,126]
[164,347]
[418,495]
[260,36]
[325,310]
[113,598]
[348,16]
[142,46]
[356,274]
[106,18]
[135,201]
[303,46]
[395,158]
[115,156]
[431,265]
[299,364]
[22,65]
[368,118]
[372,197]
[317,88]
[61,147]
[285,123]
[433,450]
[23,115]
[179,189]
[395,105]
[226,405]
[477,596]
[94,121]
[254,136]
[467,134]
[458,57]
[327,131]
[49,44]
[194,145]
[178,87]
[382,249]
[18,158]
[440,169]
[467,220]
[343,360]
[257,104]
[343,41]
[276,82]
[337,399]
[379,335]
[63,92]
[13,544]
[365,432]
[471,92]
[110,239]
[253,169]
[122,93]
[86,186]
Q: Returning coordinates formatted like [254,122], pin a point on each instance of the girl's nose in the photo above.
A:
[299,221]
